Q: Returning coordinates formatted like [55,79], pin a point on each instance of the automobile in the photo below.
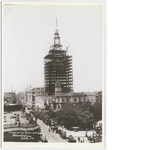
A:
[52,123]
[4,118]
[71,139]
[63,135]
[15,115]
[58,131]
[42,138]
[94,139]
[45,141]
[75,129]
[11,117]
[89,137]
[98,139]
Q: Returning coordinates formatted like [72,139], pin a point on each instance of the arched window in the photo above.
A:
[79,99]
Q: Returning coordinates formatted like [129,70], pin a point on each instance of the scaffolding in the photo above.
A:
[58,66]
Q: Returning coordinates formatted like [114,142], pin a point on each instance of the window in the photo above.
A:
[67,99]
[75,99]
[79,99]
[63,100]
[84,99]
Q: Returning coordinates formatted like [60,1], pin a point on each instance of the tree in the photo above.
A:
[86,118]
[71,116]
[48,107]
[67,116]
[96,109]
[85,106]
[51,113]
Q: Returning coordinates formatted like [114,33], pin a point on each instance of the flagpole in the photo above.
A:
[56,23]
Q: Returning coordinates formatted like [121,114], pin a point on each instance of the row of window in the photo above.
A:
[37,92]
[67,100]
[75,100]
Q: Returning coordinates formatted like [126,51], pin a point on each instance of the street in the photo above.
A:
[54,137]
[50,136]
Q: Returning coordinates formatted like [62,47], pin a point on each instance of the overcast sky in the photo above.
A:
[29,33]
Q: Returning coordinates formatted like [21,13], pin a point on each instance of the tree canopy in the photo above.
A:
[71,116]
[96,109]
[84,115]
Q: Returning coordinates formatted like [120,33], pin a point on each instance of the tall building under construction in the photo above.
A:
[58,66]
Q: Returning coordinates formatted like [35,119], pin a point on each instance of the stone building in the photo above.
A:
[58,99]
[29,95]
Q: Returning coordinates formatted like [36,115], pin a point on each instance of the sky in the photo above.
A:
[28,34]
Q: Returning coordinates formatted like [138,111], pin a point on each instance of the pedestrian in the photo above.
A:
[86,133]
[45,140]
[94,140]
[78,139]
[49,129]
[83,140]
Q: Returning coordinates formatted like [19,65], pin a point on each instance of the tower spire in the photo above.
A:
[56,23]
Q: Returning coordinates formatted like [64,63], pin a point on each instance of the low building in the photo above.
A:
[29,95]
[91,96]
[99,96]
[57,101]
[42,100]
[59,98]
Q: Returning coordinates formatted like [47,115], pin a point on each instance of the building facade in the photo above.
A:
[58,101]
[29,95]
[91,96]
[99,96]
[58,65]
[59,98]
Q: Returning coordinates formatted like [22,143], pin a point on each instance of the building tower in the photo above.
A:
[58,66]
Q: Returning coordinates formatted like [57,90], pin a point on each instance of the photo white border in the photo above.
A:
[63,145]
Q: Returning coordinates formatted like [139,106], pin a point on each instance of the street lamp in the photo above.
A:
[86,128]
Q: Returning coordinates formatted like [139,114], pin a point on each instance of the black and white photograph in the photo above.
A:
[53,74]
